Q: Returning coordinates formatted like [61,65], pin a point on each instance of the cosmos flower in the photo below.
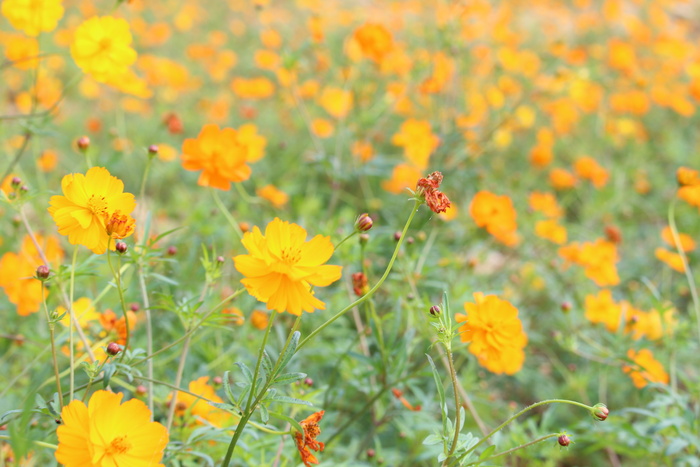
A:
[102,47]
[33,16]
[281,267]
[306,441]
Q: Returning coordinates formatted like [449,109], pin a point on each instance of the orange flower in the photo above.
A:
[603,309]
[645,369]
[281,267]
[322,128]
[597,258]
[546,203]
[198,408]
[418,141]
[374,41]
[254,88]
[589,169]
[259,319]
[22,51]
[306,441]
[687,176]
[561,179]
[403,176]
[220,154]
[551,230]
[496,214]
[686,241]
[337,102]
[277,197]
[495,332]
[672,259]
[363,150]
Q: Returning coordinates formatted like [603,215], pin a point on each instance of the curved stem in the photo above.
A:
[458,412]
[149,334]
[373,289]
[226,213]
[509,451]
[526,409]
[686,266]
[354,232]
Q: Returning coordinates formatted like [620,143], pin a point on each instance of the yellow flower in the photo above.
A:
[495,332]
[106,433]
[33,16]
[102,47]
[87,207]
[281,267]
[84,311]
[603,309]
[200,408]
[646,369]
[274,195]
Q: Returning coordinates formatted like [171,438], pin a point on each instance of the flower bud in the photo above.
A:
[397,236]
[410,240]
[371,453]
[141,390]
[565,306]
[220,259]
[363,223]
[563,440]
[218,380]
[83,143]
[16,182]
[309,382]
[121,247]
[24,188]
[152,150]
[172,250]
[42,272]
[113,348]
[600,412]
[134,307]
[435,310]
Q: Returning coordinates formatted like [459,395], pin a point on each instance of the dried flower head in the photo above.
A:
[306,441]
[427,189]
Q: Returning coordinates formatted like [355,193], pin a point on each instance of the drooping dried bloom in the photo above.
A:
[281,267]
[220,154]
[646,368]
[360,285]
[89,204]
[427,188]
[102,47]
[106,433]
[306,441]
[495,332]
[33,16]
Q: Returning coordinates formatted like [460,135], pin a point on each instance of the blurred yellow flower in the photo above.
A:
[102,47]
[418,141]
[495,332]
[646,369]
[33,16]
[274,195]
[88,204]
[106,433]
[201,409]
[281,267]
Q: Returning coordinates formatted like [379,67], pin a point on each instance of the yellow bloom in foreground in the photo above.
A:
[495,332]
[102,47]
[281,267]
[33,16]
[93,209]
[106,433]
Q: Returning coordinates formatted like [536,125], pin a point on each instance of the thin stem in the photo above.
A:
[118,280]
[52,333]
[72,323]
[41,444]
[354,232]
[686,266]
[373,289]
[458,412]
[226,213]
[149,335]
[260,357]
[512,450]
[526,409]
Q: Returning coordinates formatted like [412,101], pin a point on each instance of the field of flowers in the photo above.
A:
[350,233]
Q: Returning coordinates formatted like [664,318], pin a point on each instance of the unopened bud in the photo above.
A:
[435,310]
[83,143]
[309,382]
[42,272]
[563,440]
[397,236]
[218,380]
[134,307]
[172,251]
[16,181]
[565,306]
[600,412]
[371,453]
[121,247]
[152,150]
[24,188]
[220,259]
[410,240]
[141,390]
[113,348]
[363,223]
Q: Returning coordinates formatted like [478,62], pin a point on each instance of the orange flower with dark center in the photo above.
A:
[306,441]
[427,188]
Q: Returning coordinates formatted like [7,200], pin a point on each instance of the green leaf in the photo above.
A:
[432,440]
[267,365]
[289,378]
[487,452]
[264,414]
[247,374]
[224,406]
[288,400]
[109,371]
[227,387]
[289,351]
[296,425]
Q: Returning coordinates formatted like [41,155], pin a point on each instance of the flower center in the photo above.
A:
[97,205]
[105,43]
[119,445]
[291,255]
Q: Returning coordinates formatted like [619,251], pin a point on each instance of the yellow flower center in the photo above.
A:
[119,445]
[105,43]
[97,205]
[291,255]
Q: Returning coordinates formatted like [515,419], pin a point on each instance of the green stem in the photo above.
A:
[118,280]
[37,443]
[686,266]
[458,412]
[260,357]
[354,232]
[52,332]
[526,409]
[149,334]
[71,322]
[509,451]
[226,213]
[373,289]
